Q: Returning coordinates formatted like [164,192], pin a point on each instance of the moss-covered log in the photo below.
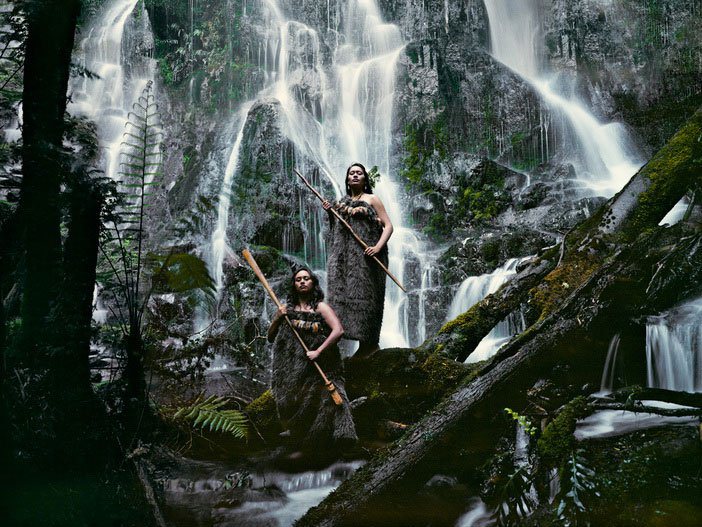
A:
[459,337]
[659,184]
[597,284]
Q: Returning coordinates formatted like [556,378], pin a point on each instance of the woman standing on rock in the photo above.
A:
[303,402]
[356,282]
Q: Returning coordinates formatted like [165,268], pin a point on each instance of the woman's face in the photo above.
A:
[303,282]
[355,176]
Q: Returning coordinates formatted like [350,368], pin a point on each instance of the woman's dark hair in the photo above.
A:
[316,293]
[366,181]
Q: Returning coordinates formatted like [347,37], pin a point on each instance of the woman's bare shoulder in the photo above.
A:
[373,199]
[321,306]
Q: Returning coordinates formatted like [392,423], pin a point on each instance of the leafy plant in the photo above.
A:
[577,485]
[523,420]
[123,239]
[373,176]
[515,498]
[208,414]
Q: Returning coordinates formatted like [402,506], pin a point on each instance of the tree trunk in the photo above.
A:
[51,28]
[598,285]
[79,269]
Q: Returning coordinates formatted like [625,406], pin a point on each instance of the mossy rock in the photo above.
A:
[401,384]
[557,440]
[264,415]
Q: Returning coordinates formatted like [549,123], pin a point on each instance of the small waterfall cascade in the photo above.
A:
[471,291]
[219,248]
[474,288]
[117,46]
[334,114]
[603,153]
[674,348]
[477,515]
[607,382]
[677,213]
[302,492]
[500,335]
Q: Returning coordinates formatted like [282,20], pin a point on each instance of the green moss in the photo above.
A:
[466,319]
[674,169]
[263,414]
[442,372]
[557,440]
[563,280]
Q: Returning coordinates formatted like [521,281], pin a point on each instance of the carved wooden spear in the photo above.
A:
[357,238]
[333,392]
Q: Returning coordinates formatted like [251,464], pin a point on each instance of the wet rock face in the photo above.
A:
[485,249]
[446,71]
[635,59]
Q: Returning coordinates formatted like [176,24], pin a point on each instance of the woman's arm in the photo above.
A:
[337,331]
[275,323]
[387,226]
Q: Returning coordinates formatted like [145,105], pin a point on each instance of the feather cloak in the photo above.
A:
[356,284]
[303,402]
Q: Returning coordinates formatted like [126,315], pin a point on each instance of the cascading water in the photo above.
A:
[607,382]
[604,155]
[674,348]
[351,123]
[116,46]
[471,291]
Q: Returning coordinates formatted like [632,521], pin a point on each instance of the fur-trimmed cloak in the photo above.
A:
[303,402]
[355,282]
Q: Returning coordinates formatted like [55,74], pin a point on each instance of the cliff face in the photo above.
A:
[639,63]
[468,132]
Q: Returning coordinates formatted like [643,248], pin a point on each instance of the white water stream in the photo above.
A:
[117,47]
[604,155]
[674,348]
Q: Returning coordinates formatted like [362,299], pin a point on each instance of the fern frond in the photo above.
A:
[516,499]
[578,484]
[207,414]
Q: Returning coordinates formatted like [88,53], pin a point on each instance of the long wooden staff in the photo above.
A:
[333,392]
[358,239]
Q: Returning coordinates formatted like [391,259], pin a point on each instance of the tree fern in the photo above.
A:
[122,243]
[207,414]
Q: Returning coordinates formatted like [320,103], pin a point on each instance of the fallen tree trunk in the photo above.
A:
[602,280]
[658,394]
[498,378]
[643,408]
[459,337]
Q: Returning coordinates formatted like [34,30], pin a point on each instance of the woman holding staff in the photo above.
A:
[357,283]
[303,402]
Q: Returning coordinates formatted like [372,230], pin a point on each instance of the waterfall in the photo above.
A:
[353,122]
[471,291]
[674,348]
[219,247]
[605,157]
[607,382]
[677,213]
[116,46]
